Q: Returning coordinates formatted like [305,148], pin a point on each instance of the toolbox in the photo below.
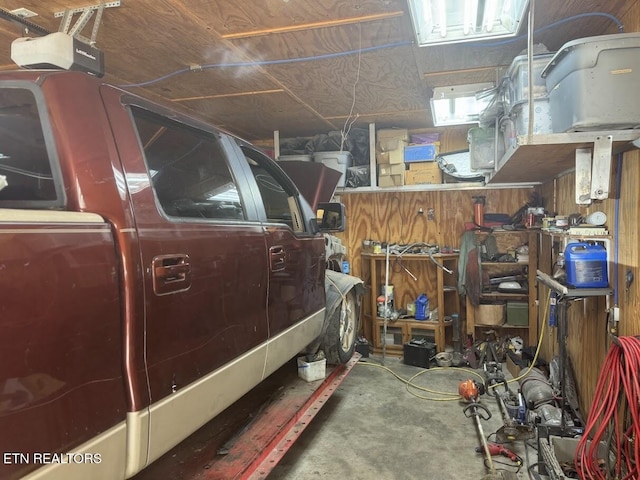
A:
[419,352]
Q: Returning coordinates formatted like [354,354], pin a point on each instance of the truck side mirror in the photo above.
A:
[330,217]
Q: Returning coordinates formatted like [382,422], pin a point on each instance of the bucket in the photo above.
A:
[586,265]
[422,307]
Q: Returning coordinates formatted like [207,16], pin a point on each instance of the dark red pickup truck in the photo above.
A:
[153,269]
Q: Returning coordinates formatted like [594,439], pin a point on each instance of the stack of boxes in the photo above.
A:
[403,163]
[390,156]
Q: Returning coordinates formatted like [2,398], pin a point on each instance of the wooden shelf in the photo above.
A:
[405,329]
[505,239]
[498,295]
[514,264]
[542,157]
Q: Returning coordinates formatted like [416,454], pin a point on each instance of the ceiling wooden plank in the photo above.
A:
[312,25]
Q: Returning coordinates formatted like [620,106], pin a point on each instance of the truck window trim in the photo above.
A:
[160,115]
[60,201]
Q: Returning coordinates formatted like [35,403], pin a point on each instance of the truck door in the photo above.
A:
[205,277]
[296,261]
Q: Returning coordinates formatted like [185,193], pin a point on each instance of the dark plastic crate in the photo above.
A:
[419,353]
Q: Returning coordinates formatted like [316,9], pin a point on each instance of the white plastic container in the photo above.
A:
[592,83]
[508,129]
[518,74]
[301,158]
[312,371]
[482,147]
[340,161]
[542,119]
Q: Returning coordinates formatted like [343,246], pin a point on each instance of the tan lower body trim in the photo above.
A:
[102,458]
[179,415]
[127,448]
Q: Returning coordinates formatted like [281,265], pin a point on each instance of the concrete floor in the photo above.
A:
[372,427]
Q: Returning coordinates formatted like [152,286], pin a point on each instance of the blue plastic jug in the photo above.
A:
[422,307]
[586,265]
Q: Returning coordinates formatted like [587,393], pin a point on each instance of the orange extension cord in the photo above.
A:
[614,417]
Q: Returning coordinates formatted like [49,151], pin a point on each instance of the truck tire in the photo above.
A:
[339,340]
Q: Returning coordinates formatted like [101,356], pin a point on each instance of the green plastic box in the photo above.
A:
[518,314]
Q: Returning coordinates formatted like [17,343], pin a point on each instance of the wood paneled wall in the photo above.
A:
[393,217]
[588,341]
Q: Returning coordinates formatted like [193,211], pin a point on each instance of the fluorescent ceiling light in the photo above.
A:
[454,21]
[460,104]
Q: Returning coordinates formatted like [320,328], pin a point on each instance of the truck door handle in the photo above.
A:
[171,273]
[277,258]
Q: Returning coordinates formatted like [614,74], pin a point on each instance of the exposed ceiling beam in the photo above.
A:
[463,71]
[312,25]
[228,95]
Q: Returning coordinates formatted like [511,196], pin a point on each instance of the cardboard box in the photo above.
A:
[391,181]
[490,315]
[385,169]
[422,166]
[431,175]
[514,369]
[390,145]
[393,156]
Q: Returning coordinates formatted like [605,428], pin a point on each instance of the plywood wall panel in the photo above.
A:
[394,217]
[629,247]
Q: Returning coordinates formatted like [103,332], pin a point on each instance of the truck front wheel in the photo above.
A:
[339,339]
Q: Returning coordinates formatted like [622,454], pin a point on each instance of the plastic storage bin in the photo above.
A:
[518,314]
[542,121]
[592,83]
[420,153]
[301,158]
[340,161]
[517,87]
[312,371]
[483,146]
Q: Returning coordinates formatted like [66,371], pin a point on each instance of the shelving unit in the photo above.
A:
[401,331]
[542,157]
[509,239]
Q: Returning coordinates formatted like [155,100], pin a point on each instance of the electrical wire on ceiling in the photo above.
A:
[358,51]
[269,62]
[347,125]
[556,24]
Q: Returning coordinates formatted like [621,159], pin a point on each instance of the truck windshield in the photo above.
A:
[26,177]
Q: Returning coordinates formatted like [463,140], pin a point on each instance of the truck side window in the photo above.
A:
[26,177]
[281,206]
[188,169]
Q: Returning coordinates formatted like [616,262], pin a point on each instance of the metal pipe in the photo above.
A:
[532,8]
[385,309]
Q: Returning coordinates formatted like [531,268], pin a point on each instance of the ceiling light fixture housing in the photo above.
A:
[454,21]
[460,104]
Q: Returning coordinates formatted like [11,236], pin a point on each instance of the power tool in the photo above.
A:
[497,449]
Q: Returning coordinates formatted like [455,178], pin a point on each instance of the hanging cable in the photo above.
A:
[348,123]
[614,417]
[269,62]
[359,51]
[557,24]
